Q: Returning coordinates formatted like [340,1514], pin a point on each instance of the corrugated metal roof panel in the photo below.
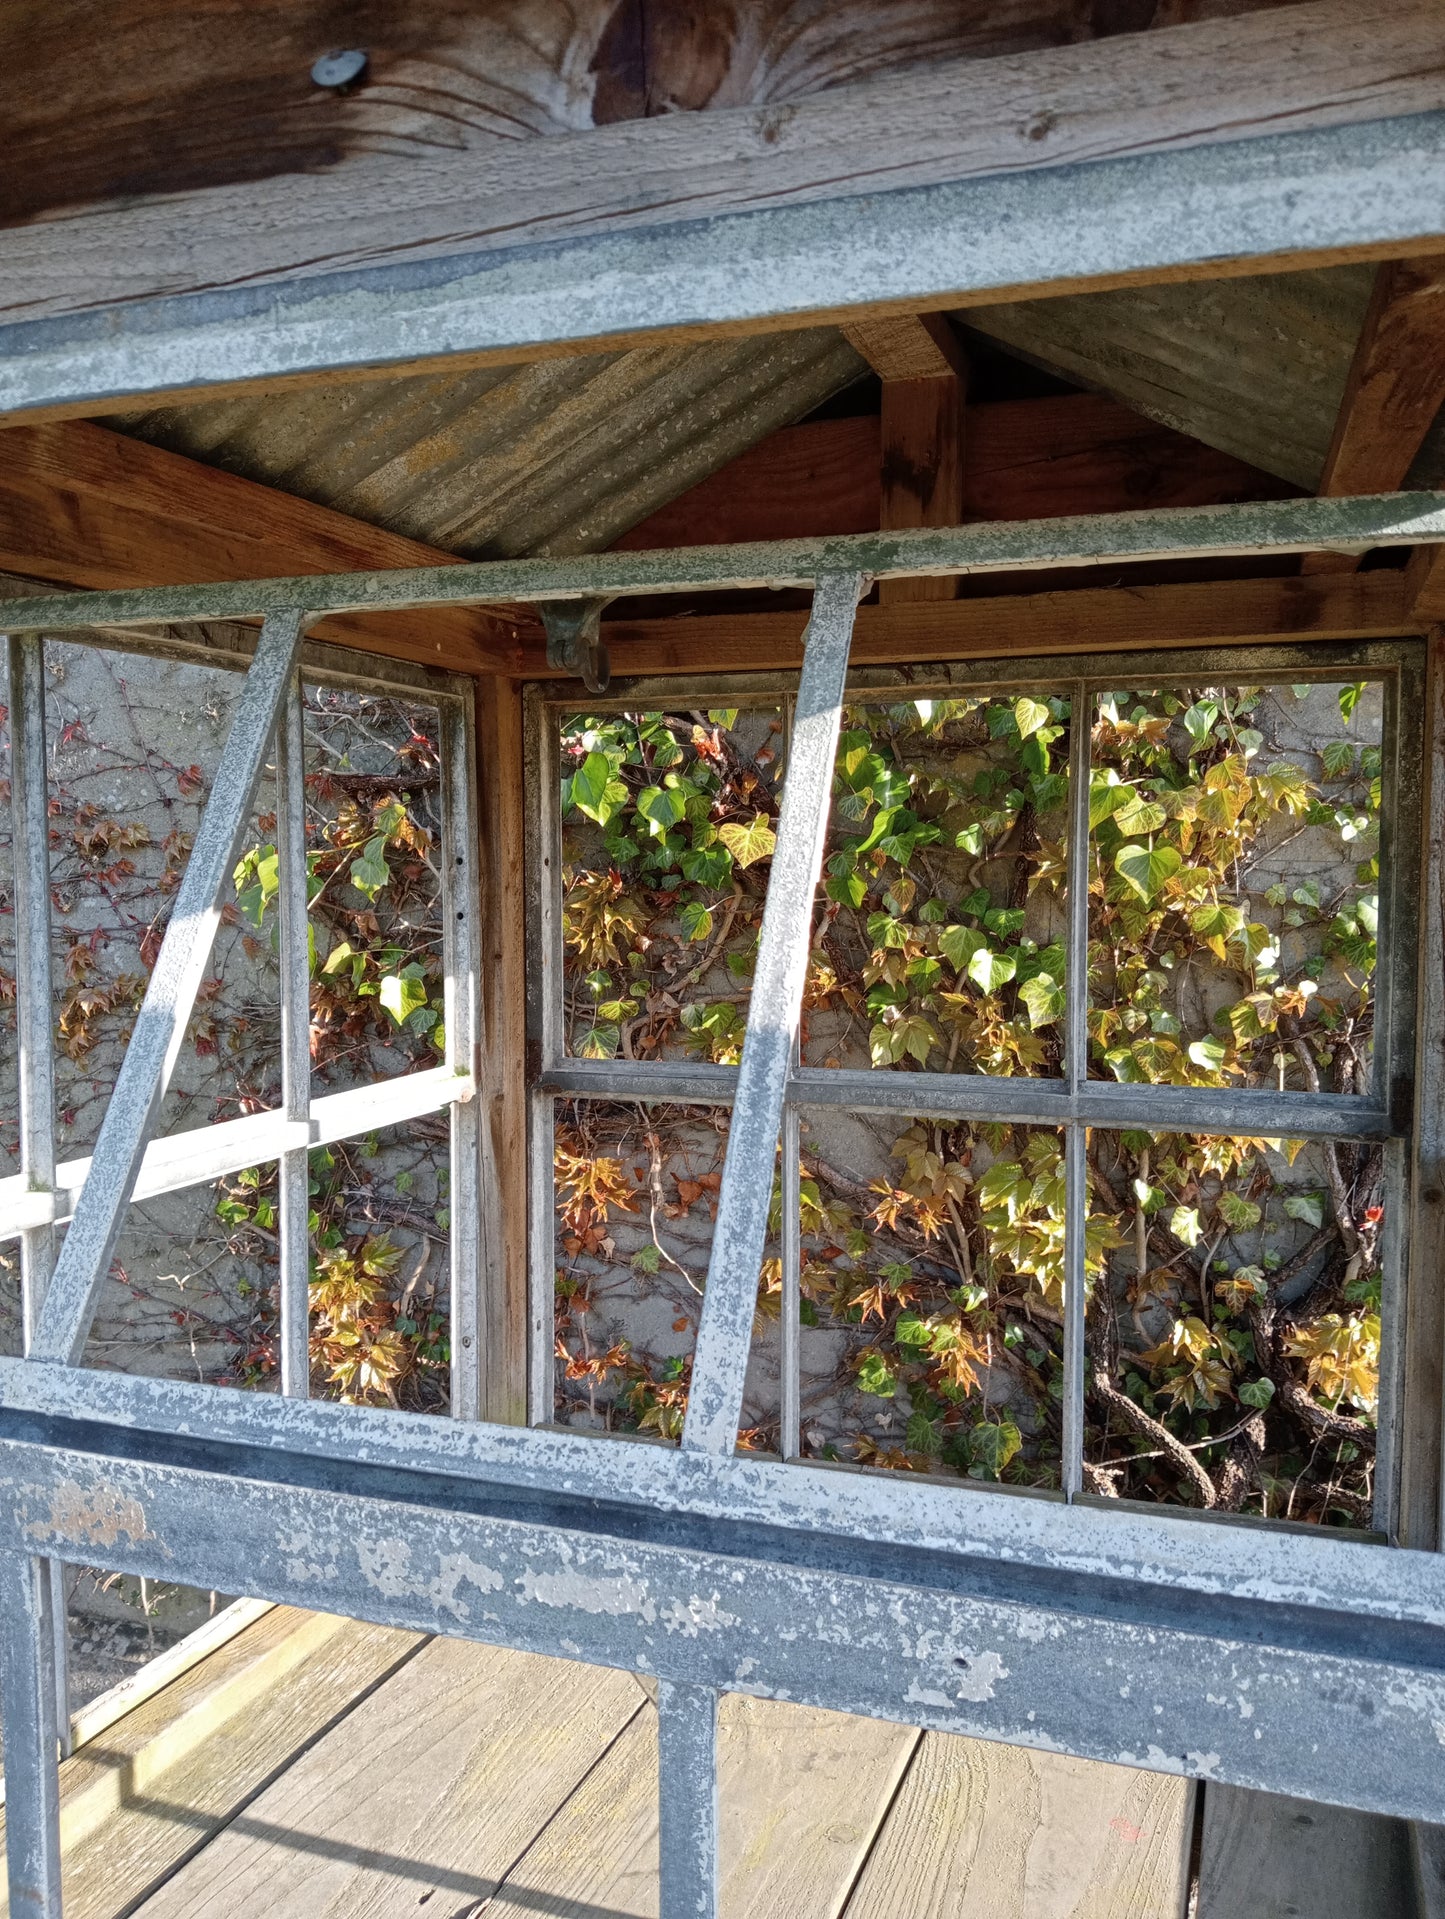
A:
[1253,366]
[557,456]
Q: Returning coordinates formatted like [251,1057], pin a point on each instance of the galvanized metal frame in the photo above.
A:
[1074,1103]
[949,242]
[715,1572]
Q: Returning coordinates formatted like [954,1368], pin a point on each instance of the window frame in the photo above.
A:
[1074,1103]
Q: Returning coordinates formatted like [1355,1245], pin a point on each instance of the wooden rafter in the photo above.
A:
[1395,390]
[83,506]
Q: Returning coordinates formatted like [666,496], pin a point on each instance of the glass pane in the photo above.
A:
[381,1268]
[1234,1344]
[668,827]
[636,1196]
[191,1289]
[932,1296]
[373,828]
[134,746]
[940,939]
[1234,885]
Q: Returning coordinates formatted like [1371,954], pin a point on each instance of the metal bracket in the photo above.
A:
[574,640]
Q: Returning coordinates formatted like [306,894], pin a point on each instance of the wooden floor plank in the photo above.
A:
[802,1795]
[146,1792]
[1265,1857]
[981,1831]
[427,1792]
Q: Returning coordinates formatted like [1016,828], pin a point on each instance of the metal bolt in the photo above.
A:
[343,68]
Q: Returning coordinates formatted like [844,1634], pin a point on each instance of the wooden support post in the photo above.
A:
[503,1305]
[1395,390]
[925,379]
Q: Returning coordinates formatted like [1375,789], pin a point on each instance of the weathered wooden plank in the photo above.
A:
[430,1789]
[83,506]
[1267,1857]
[1022,460]
[1395,390]
[998,1832]
[802,1795]
[1325,63]
[1084,620]
[1425,585]
[503,797]
[138,1799]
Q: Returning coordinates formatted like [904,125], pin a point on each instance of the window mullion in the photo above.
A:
[293,1211]
[1076,1067]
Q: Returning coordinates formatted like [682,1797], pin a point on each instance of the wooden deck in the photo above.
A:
[317,1767]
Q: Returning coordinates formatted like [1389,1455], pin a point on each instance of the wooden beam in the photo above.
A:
[1425,586]
[1022,460]
[82,506]
[1394,393]
[909,346]
[1021,626]
[1323,64]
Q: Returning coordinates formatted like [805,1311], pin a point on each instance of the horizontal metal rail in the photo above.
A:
[933,245]
[1327,1573]
[1255,1690]
[1251,1112]
[1282,527]
[206,1153]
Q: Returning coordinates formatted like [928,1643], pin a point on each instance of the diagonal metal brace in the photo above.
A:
[160,1027]
[574,640]
[720,1359]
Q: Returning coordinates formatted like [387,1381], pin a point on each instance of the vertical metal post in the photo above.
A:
[160,1026]
[460,907]
[546,1042]
[293,1211]
[687,1800]
[1076,1066]
[541,1261]
[721,1355]
[32,1758]
[35,1032]
[790,1356]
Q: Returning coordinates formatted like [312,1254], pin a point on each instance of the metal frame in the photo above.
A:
[1244,1653]
[1271,198]
[1072,1103]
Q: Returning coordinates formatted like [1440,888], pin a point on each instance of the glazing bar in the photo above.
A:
[463,1052]
[721,1357]
[1076,1070]
[160,1026]
[35,1032]
[32,1753]
[687,1800]
[294,1168]
[790,1356]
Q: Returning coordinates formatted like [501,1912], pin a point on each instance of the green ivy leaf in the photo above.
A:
[1146,868]
[370,872]
[1029,716]
[958,944]
[1044,997]
[1310,1207]
[595,791]
[1238,1213]
[696,919]
[749,844]
[1184,1224]
[989,970]
[1257,1392]
[402,994]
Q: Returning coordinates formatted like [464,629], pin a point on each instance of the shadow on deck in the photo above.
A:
[319,1767]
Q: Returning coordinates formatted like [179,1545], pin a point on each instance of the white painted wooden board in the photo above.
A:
[983,1831]
[802,1793]
[1268,1857]
[420,1800]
